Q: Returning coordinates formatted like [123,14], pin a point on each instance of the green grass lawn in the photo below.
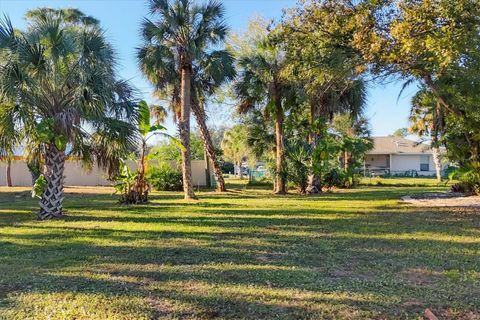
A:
[247,254]
[405,182]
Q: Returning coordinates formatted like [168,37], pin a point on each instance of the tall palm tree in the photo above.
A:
[213,70]
[426,120]
[59,86]
[261,85]
[178,54]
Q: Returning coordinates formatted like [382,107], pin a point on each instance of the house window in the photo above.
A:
[425,163]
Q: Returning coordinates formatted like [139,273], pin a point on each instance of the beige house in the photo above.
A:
[399,156]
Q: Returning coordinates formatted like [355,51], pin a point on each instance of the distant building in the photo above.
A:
[399,156]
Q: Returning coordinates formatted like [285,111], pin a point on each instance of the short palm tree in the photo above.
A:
[172,57]
[235,146]
[261,85]
[59,86]
[134,187]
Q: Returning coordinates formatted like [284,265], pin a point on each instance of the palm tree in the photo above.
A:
[213,70]
[337,96]
[235,146]
[8,141]
[59,86]
[261,85]
[355,137]
[426,119]
[178,54]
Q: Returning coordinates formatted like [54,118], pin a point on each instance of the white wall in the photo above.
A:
[404,163]
[76,175]
[21,177]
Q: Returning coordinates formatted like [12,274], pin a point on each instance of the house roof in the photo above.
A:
[398,145]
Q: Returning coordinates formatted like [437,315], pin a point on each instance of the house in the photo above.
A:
[399,156]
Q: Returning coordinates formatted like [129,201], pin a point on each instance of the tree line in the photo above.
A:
[300,86]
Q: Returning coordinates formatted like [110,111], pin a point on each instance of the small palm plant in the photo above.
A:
[60,92]
[133,186]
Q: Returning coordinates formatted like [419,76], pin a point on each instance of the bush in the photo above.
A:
[333,178]
[469,177]
[351,178]
[227,167]
[165,178]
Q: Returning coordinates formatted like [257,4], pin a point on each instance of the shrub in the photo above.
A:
[351,178]
[298,157]
[333,178]
[165,178]
[469,177]
[227,167]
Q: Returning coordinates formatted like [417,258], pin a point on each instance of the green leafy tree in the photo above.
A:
[58,85]
[317,37]
[419,40]
[176,45]
[400,132]
[168,150]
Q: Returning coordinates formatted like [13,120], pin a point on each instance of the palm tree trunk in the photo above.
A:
[436,157]
[240,171]
[437,162]
[346,159]
[141,188]
[473,147]
[313,178]
[184,128]
[52,198]
[8,173]
[208,179]
[280,148]
[474,151]
[208,145]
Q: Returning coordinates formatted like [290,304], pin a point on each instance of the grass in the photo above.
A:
[405,182]
[351,254]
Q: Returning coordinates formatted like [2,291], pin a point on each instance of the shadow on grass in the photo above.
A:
[236,260]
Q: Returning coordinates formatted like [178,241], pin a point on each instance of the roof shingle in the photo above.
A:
[398,145]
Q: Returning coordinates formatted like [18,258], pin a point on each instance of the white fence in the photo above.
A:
[76,175]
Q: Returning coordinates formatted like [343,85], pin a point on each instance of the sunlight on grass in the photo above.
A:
[348,254]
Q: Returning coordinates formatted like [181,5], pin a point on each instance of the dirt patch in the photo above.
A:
[450,199]
[422,277]
[88,190]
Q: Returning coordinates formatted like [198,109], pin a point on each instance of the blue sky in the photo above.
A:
[121,19]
